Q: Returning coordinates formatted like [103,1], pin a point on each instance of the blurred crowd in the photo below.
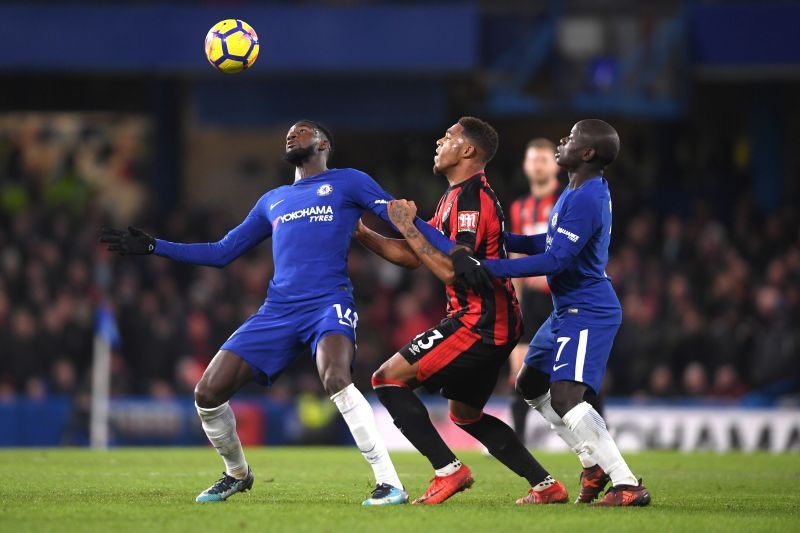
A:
[710,308]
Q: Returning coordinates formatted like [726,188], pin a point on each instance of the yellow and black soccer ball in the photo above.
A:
[231,45]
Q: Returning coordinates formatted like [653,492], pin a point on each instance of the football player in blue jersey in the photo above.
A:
[309,302]
[569,352]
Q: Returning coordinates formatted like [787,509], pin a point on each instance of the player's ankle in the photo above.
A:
[449,469]
[545,484]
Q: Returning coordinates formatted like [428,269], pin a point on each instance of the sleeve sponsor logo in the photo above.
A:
[568,234]
[468,221]
[381,202]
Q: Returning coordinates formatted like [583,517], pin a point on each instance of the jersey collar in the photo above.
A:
[476,176]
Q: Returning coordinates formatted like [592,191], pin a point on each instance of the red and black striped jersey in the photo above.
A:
[529,216]
[470,214]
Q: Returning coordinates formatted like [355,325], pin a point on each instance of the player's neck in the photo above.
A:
[581,175]
[459,175]
[540,190]
[309,169]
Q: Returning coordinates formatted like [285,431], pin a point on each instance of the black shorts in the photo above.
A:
[536,307]
[453,358]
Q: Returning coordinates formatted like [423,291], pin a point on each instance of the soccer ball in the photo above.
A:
[231,45]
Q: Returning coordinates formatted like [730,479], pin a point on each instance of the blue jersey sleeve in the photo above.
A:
[576,224]
[254,229]
[369,195]
[525,244]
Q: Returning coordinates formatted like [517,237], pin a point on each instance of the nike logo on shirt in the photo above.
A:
[276,203]
[476,261]
[556,367]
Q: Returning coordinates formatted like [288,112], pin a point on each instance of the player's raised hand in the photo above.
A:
[402,212]
[471,271]
[132,241]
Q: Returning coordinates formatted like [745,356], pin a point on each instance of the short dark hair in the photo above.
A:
[542,144]
[483,134]
[322,129]
[603,137]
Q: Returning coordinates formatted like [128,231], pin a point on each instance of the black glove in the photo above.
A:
[471,271]
[131,242]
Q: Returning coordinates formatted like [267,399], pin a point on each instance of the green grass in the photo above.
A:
[320,489]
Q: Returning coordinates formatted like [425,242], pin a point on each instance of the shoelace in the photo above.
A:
[381,490]
[434,486]
[223,484]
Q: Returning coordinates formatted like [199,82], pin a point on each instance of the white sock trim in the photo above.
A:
[546,483]
[211,412]
[448,469]
[348,397]
[539,400]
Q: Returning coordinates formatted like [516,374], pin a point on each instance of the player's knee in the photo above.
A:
[383,376]
[531,384]
[204,396]
[520,385]
[379,377]
[333,381]
[562,403]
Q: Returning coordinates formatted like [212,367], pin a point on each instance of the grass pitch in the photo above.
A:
[320,489]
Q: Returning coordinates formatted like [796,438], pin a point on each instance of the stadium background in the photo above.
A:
[111,115]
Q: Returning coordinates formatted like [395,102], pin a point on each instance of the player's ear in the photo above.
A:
[469,151]
[589,154]
[324,144]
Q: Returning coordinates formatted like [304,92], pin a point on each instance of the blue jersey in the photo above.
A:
[575,254]
[311,223]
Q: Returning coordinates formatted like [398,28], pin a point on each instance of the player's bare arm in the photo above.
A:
[395,251]
[402,214]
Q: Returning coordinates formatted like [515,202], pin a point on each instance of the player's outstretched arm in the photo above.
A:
[239,240]
[525,244]
[577,223]
[369,195]
[236,242]
[402,214]
[395,251]
[552,261]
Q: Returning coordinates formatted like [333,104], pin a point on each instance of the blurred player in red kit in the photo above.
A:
[529,215]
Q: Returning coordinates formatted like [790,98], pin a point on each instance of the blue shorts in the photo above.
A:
[572,349]
[273,337]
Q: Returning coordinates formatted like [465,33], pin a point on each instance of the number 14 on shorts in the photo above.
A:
[348,317]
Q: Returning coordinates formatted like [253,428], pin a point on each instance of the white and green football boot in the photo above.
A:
[385,494]
[226,487]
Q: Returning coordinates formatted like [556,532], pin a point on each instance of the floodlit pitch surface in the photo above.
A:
[320,489]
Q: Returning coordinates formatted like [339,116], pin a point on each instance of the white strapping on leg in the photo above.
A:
[357,412]
[590,427]
[545,408]
[219,423]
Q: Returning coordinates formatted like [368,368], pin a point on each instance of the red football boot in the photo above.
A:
[556,493]
[593,481]
[442,487]
[625,496]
